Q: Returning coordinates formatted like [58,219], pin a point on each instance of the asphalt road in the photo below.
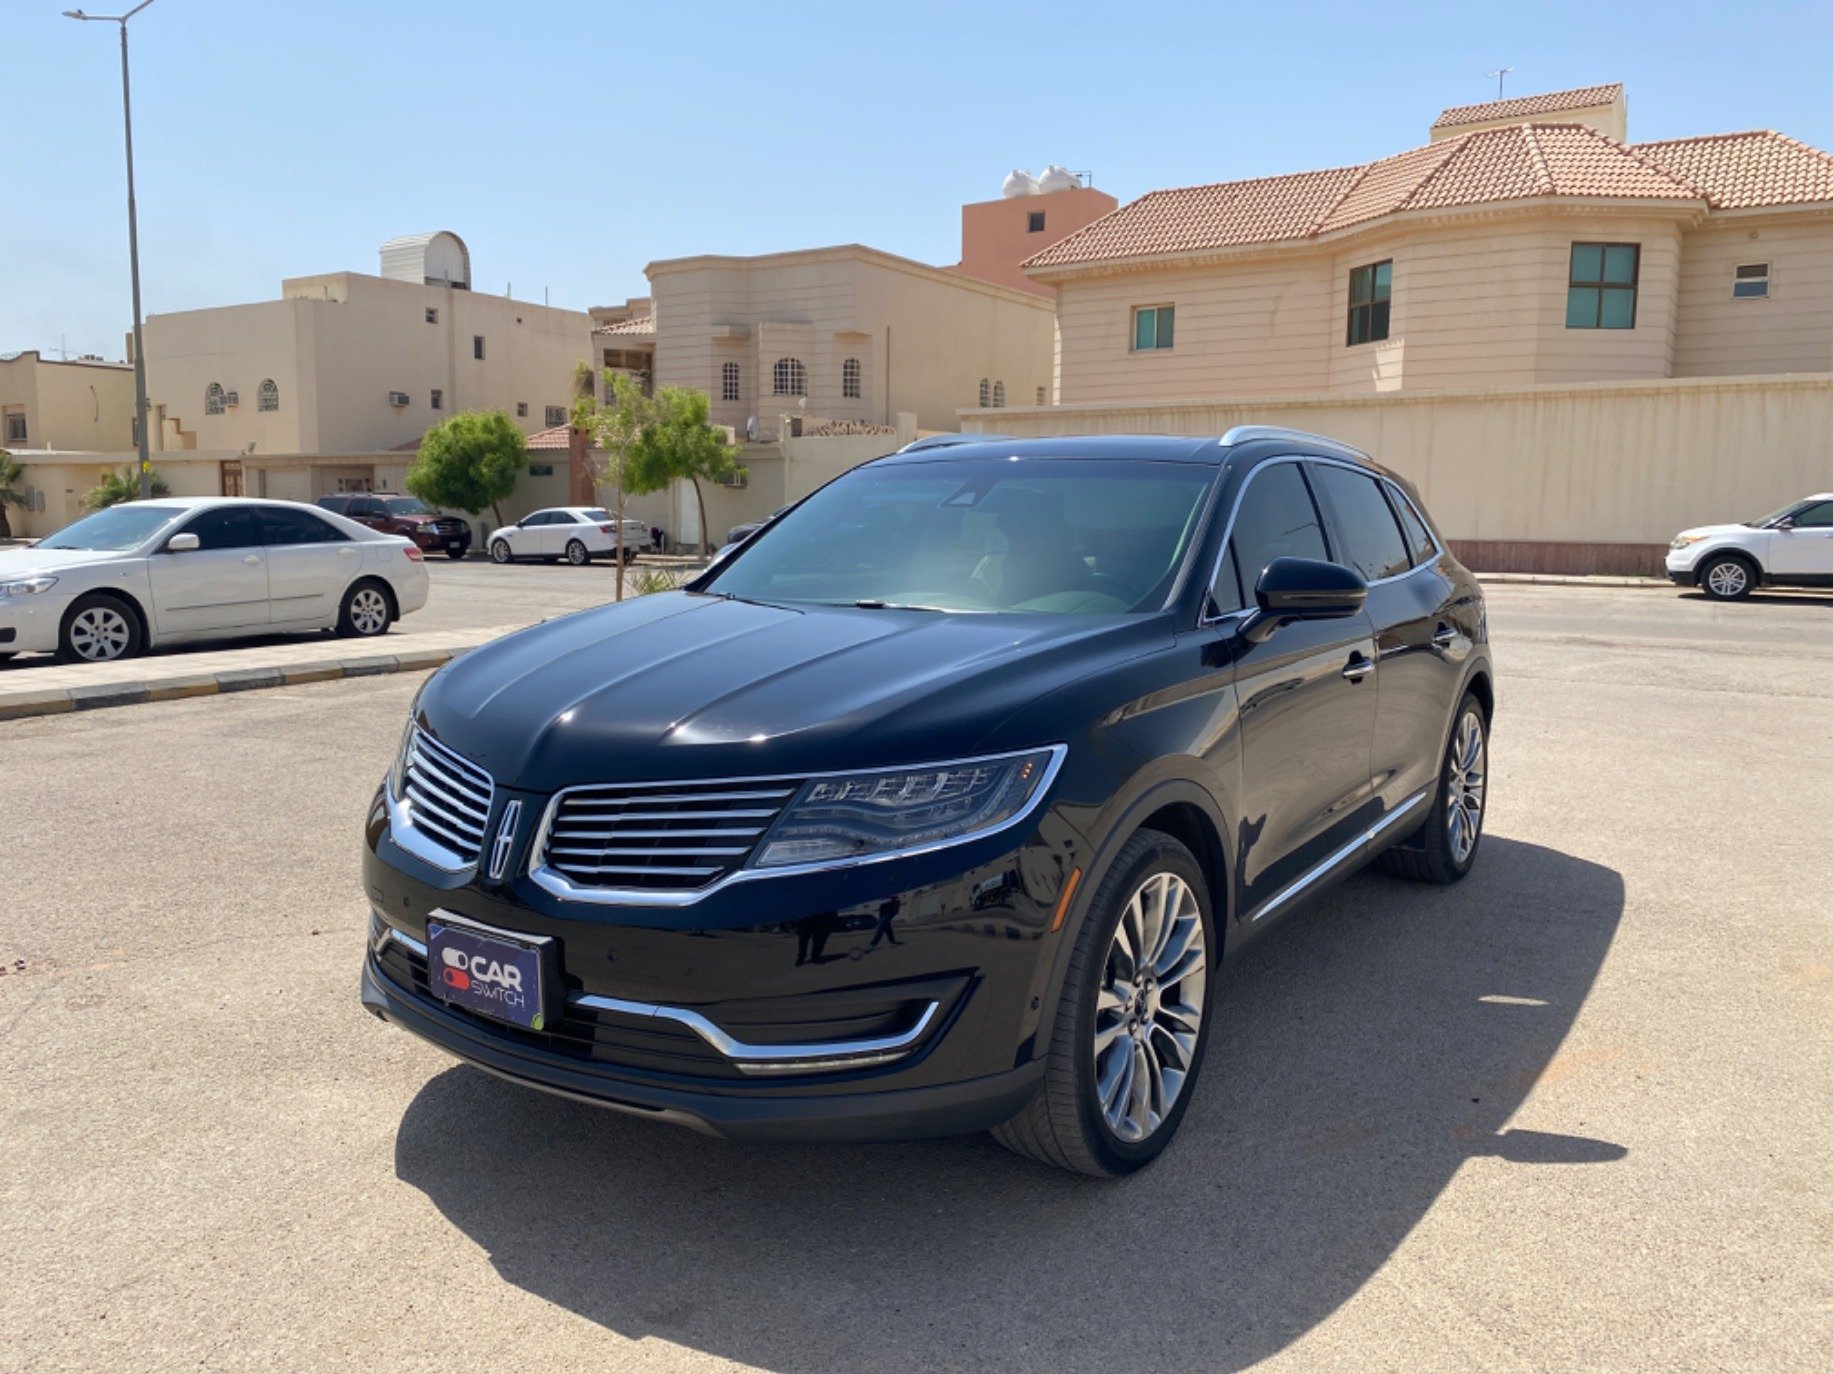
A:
[1574,1113]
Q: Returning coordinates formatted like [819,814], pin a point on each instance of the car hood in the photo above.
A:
[680,685]
[1713,531]
[20,562]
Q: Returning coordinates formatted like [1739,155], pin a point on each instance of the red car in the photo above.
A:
[404,515]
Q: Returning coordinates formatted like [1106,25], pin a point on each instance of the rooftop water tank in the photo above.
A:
[1019,184]
[436,259]
[1056,178]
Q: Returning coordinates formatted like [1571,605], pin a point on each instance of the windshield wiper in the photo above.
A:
[872,603]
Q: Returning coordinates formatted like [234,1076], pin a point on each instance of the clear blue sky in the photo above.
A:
[570,143]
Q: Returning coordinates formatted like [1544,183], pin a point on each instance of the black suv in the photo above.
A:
[936,806]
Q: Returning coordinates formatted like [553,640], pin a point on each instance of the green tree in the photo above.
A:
[12,489]
[471,461]
[612,430]
[679,442]
[116,487]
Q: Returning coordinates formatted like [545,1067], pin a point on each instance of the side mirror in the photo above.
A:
[1787,522]
[1304,589]
[522,522]
[181,543]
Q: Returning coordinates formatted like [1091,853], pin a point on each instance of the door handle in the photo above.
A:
[346,552]
[253,560]
[1445,637]
[1357,668]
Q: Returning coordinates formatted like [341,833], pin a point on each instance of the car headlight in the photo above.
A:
[1681,541]
[27,586]
[863,815]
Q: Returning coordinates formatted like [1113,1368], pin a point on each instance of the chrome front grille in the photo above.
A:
[446,798]
[672,836]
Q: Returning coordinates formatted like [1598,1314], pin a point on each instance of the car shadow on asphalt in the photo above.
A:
[1364,1050]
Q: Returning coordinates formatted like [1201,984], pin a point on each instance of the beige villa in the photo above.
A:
[1577,344]
[54,413]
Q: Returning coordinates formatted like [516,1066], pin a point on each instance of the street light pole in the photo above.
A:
[133,245]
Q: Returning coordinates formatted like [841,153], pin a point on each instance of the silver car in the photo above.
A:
[148,573]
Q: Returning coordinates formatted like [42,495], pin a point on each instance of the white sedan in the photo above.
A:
[163,572]
[1792,547]
[576,533]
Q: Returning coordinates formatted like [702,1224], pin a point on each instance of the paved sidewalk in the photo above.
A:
[46,688]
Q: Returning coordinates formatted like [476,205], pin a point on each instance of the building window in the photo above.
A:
[432,315]
[999,395]
[1601,291]
[1751,282]
[556,416]
[1034,223]
[438,399]
[213,399]
[477,346]
[1370,289]
[728,382]
[267,396]
[789,378]
[1042,392]
[1153,327]
[850,379]
[521,410]
[15,426]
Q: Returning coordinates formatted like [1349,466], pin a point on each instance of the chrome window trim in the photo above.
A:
[1241,434]
[1204,621]
[558,885]
[1349,851]
[816,1056]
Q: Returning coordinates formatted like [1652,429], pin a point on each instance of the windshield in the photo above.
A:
[119,527]
[1060,536]
[405,505]
[1773,516]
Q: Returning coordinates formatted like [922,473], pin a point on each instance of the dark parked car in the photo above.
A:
[936,806]
[403,515]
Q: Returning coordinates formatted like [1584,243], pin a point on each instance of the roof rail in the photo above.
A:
[1240,434]
[948,441]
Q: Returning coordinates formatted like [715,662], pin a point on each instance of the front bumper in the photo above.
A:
[30,624]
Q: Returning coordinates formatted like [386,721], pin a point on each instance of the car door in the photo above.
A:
[1305,701]
[219,585]
[1805,549]
[561,526]
[1420,643]
[309,563]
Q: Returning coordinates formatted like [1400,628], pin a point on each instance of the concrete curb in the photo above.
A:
[1564,580]
[54,701]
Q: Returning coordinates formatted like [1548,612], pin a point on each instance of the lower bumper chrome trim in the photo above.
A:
[1336,860]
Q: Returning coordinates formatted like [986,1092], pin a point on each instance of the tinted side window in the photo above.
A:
[1814,517]
[333,503]
[1226,592]
[1419,538]
[561,517]
[227,527]
[283,526]
[1276,520]
[1365,526]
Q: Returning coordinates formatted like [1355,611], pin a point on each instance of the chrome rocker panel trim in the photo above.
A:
[820,1056]
[1349,851]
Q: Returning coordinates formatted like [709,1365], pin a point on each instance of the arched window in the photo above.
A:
[985,392]
[789,378]
[999,395]
[267,396]
[728,382]
[849,379]
[213,399]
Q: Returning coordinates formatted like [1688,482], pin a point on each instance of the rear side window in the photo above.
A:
[1277,519]
[1814,517]
[1365,526]
[282,525]
[1419,538]
[333,503]
[227,527]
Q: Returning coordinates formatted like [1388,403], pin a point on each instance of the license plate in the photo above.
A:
[487,973]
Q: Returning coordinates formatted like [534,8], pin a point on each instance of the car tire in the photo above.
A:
[577,553]
[499,551]
[457,552]
[1728,577]
[1073,1122]
[99,628]
[367,611]
[1445,846]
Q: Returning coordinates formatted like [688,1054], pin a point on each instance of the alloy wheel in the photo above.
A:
[369,611]
[1727,579]
[1465,773]
[1149,1006]
[100,634]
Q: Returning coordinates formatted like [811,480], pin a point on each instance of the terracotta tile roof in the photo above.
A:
[1528,106]
[548,440]
[640,325]
[1489,165]
[1741,171]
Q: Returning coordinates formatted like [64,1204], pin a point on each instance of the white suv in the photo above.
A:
[1792,547]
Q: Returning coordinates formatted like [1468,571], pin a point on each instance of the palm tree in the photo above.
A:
[116,487]
[12,491]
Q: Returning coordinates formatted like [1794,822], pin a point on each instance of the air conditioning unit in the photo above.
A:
[397,398]
[231,400]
